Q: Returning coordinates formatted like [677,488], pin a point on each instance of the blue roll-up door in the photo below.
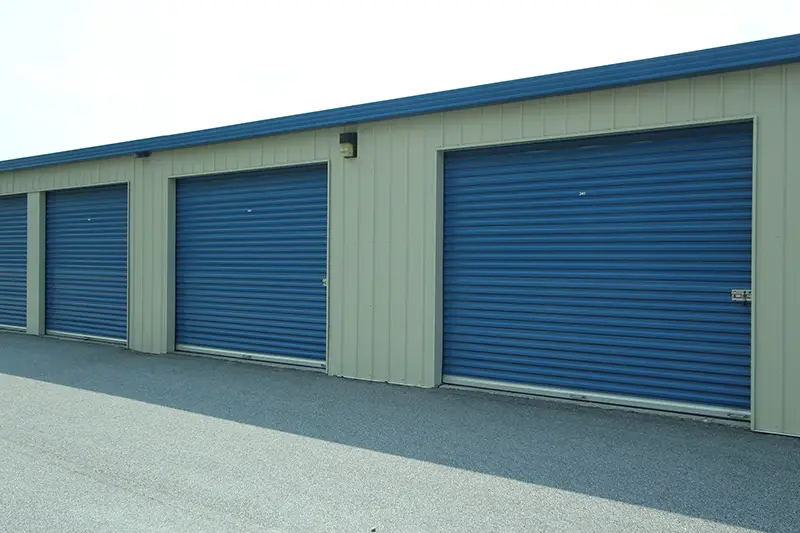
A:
[86,280]
[13,260]
[603,265]
[251,258]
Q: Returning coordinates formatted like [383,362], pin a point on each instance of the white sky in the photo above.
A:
[76,73]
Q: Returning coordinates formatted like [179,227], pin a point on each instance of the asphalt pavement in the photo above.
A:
[96,438]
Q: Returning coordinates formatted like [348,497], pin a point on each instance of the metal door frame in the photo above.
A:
[577,395]
[79,336]
[172,346]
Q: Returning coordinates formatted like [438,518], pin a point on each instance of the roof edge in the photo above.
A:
[767,52]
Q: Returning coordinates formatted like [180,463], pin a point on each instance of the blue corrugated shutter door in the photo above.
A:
[86,280]
[13,260]
[251,257]
[603,265]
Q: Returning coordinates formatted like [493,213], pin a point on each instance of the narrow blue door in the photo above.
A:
[251,258]
[603,265]
[86,280]
[13,260]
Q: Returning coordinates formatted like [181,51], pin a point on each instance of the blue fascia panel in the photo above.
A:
[755,54]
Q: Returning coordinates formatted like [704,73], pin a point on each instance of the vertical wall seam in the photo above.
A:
[138,261]
[342,240]
[147,250]
[132,293]
[425,237]
[261,152]
[638,106]
[129,305]
[375,245]
[421,374]
[406,284]
[150,260]
[357,259]
[155,260]
[613,109]
[165,253]
[435,234]
[786,240]
[389,252]
[155,256]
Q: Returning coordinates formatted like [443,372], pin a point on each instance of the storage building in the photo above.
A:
[626,234]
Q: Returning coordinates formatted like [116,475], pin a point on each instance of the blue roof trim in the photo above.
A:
[727,58]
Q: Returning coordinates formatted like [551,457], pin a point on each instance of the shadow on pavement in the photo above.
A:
[719,473]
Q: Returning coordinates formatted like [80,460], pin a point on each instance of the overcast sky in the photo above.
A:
[77,73]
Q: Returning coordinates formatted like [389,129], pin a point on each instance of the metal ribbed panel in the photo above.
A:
[87,262]
[603,265]
[13,260]
[250,261]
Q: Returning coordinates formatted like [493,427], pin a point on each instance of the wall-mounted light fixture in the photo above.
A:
[139,155]
[348,144]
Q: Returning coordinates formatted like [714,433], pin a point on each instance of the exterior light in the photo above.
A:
[348,144]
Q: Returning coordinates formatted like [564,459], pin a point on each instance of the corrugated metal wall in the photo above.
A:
[152,260]
[383,242]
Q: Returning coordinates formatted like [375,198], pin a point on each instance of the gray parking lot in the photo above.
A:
[97,438]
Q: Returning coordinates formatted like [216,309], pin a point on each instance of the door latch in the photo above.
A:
[741,295]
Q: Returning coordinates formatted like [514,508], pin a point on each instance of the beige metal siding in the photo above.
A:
[149,258]
[35,264]
[382,245]
[100,172]
[384,209]
[37,181]
[783,415]
[151,306]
